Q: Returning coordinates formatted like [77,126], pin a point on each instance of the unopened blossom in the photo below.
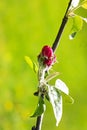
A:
[47,52]
[46,57]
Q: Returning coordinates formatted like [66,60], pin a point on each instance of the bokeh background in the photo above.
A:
[25,27]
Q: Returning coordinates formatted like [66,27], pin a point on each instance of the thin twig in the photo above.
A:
[54,46]
[64,21]
[39,120]
[38,123]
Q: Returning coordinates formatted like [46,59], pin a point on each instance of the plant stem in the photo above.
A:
[59,34]
[54,46]
[38,123]
[39,120]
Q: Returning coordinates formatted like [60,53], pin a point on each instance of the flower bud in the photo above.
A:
[47,52]
[48,62]
[46,57]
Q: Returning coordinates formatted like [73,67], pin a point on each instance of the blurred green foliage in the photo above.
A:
[25,26]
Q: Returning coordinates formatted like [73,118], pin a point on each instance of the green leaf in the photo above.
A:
[32,64]
[77,23]
[68,98]
[40,108]
[72,35]
[76,27]
[56,102]
[61,86]
[84,4]
[51,76]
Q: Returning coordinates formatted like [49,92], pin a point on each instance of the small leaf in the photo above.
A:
[56,102]
[35,68]
[75,3]
[60,85]
[84,4]
[68,98]
[51,76]
[77,23]
[32,65]
[40,108]
[76,27]
[29,61]
[72,35]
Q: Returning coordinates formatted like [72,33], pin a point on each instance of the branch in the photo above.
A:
[39,120]
[64,21]
[38,123]
[55,44]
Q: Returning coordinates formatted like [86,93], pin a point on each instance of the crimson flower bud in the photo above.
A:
[48,62]
[47,52]
[46,57]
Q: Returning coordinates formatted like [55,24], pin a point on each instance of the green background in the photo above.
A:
[25,27]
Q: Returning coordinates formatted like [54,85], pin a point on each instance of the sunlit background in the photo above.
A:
[25,27]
